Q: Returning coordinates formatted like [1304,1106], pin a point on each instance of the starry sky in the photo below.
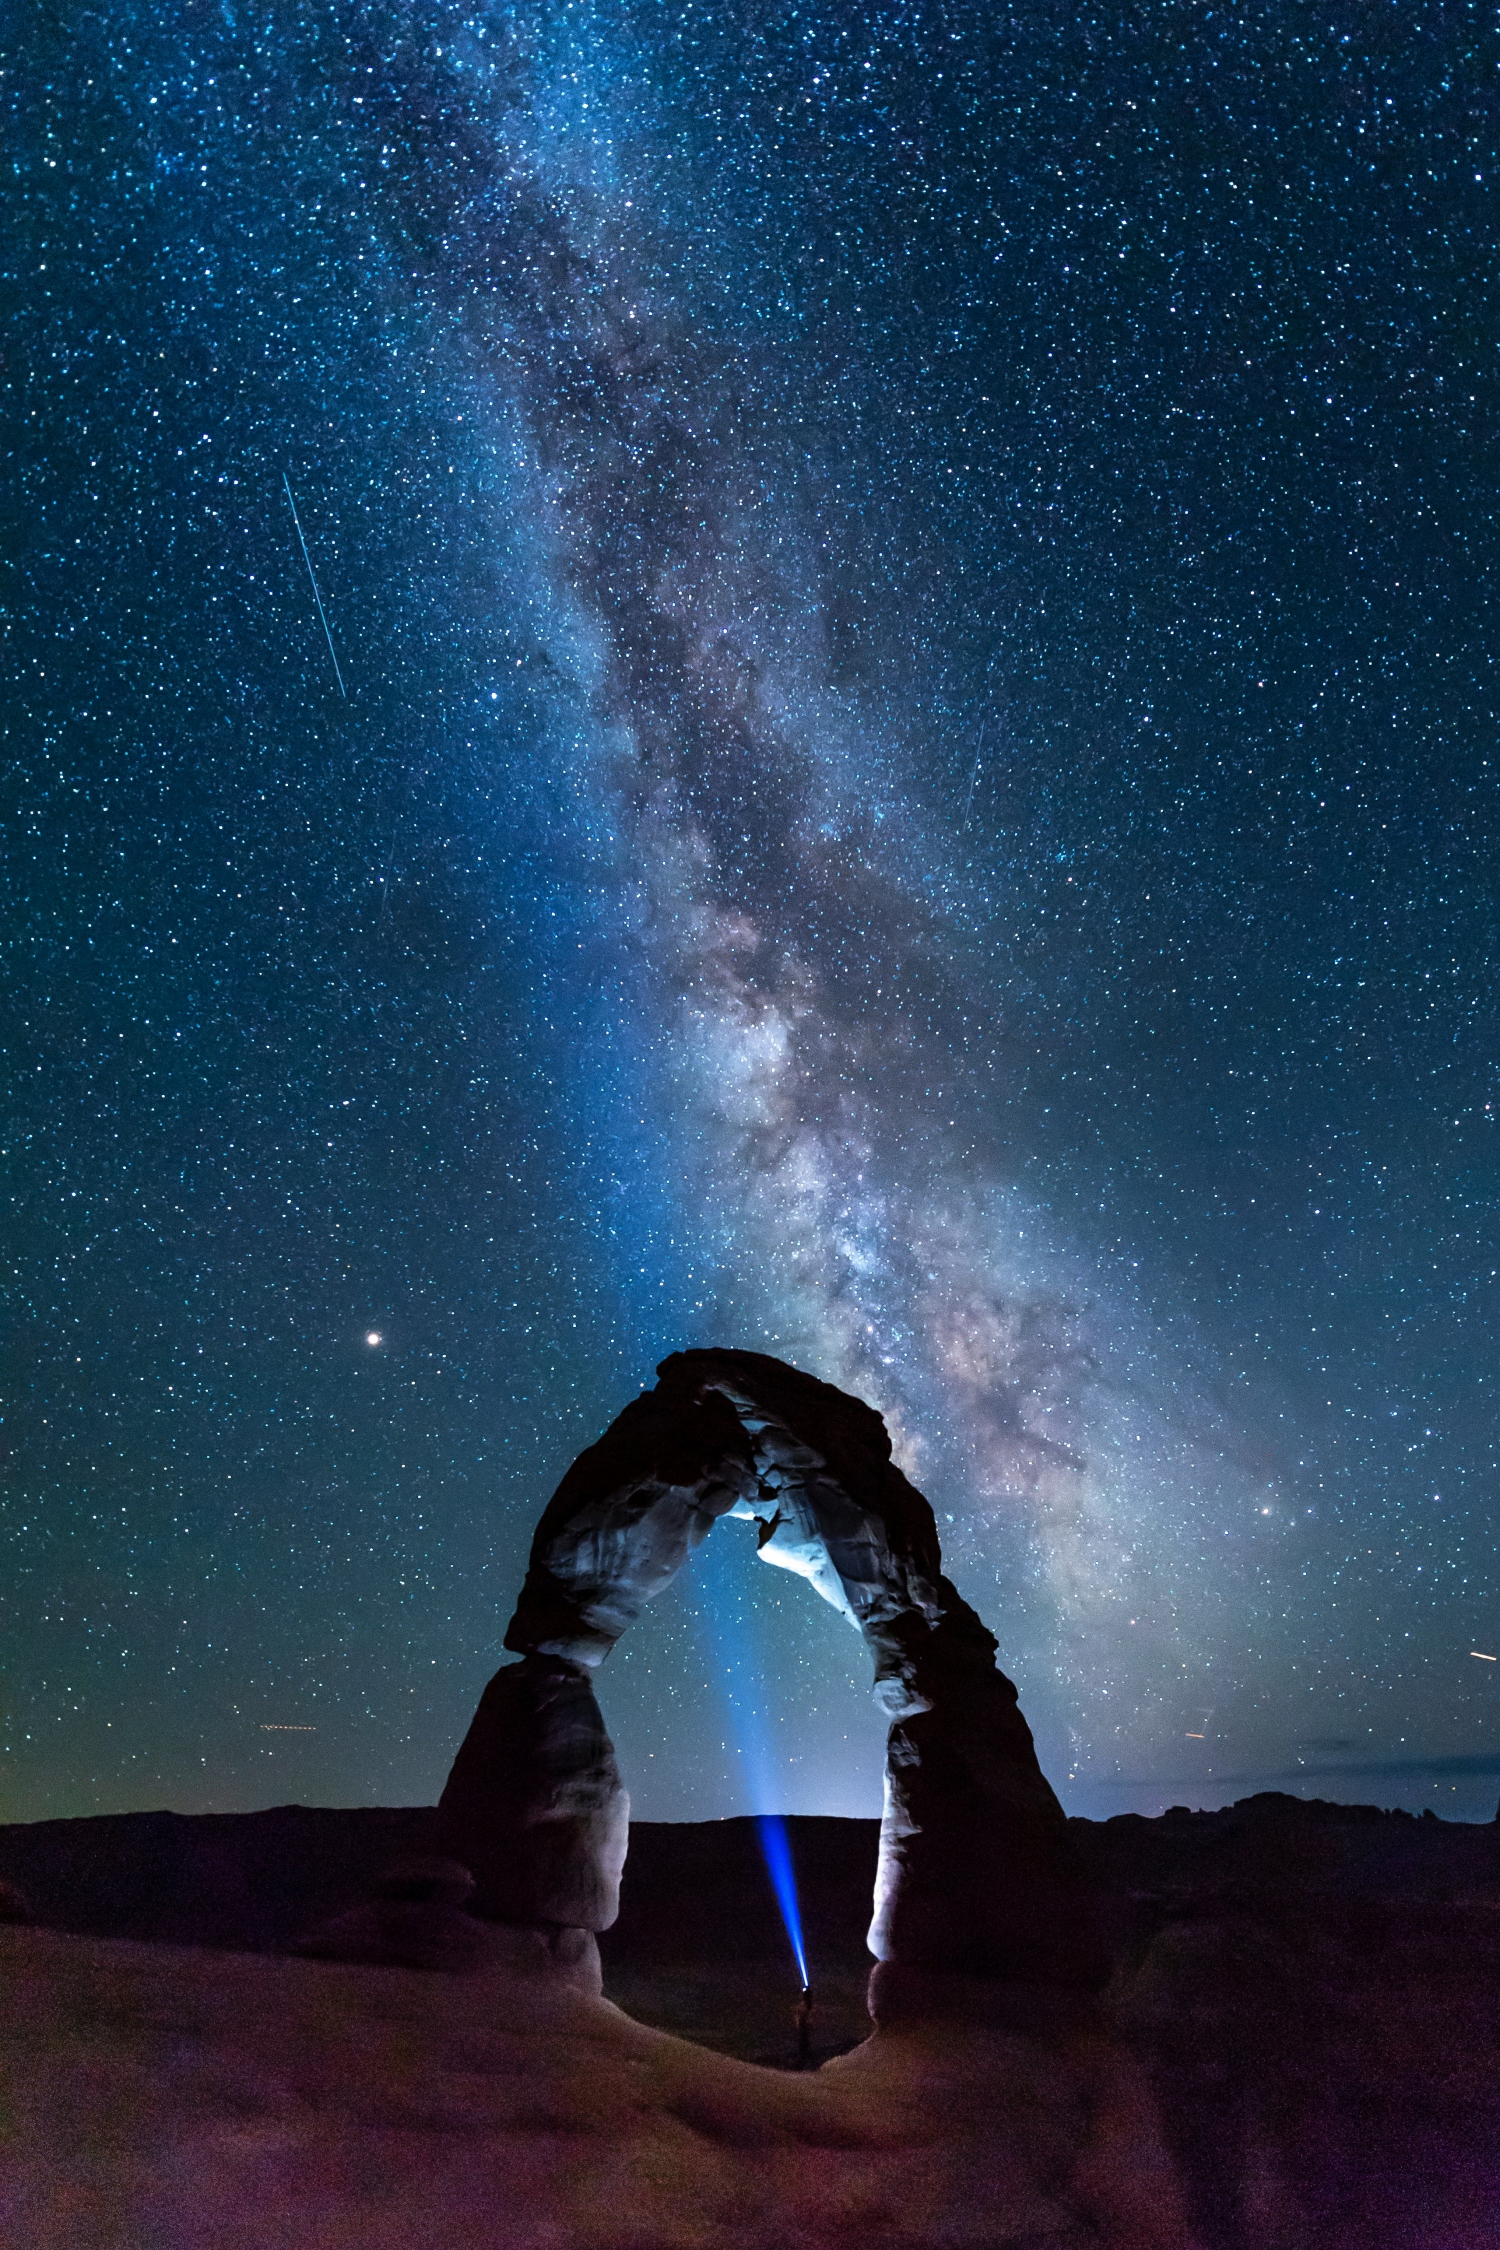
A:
[901,771]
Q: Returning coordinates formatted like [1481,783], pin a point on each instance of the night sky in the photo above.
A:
[916,588]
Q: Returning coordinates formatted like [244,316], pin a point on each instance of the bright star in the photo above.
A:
[373,1336]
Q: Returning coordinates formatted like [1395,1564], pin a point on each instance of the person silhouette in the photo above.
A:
[802,2018]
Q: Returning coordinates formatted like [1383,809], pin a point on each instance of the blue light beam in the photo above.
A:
[777,1848]
[728,1629]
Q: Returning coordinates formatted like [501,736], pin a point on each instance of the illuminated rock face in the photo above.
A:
[973,1873]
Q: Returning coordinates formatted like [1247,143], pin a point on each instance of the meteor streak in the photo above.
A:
[317,597]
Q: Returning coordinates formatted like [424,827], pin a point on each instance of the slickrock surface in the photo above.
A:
[164,2098]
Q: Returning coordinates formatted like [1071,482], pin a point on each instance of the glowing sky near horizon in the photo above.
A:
[916,790]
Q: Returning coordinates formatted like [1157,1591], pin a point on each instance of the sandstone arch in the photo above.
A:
[973,1873]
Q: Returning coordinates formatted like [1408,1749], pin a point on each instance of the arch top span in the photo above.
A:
[972,1868]
[742,1434]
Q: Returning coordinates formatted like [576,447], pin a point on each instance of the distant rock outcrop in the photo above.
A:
[414,1921]
[975,1873]
[15,1906]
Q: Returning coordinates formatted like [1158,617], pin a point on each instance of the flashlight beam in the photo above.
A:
[778,1856]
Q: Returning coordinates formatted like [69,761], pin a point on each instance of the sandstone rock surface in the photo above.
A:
[534,1804]
[157,2095]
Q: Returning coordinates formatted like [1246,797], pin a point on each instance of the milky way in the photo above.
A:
[915,791]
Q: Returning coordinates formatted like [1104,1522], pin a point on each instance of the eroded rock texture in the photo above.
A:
[974,1872]
[534,1807]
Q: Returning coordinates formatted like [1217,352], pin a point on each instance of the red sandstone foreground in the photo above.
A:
[165,2098]
[1299,2050]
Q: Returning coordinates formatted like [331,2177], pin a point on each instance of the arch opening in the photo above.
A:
[778,1687]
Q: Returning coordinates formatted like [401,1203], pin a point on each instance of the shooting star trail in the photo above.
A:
[974,776]
[317,597]
[984,720]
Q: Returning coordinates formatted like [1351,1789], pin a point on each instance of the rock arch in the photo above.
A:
[973,1871]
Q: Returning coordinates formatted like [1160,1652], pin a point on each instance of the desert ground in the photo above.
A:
[1298,2046]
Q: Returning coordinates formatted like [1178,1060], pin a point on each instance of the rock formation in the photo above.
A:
[15,1906]
[534,1804]
[974,1872]
[413,1921]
